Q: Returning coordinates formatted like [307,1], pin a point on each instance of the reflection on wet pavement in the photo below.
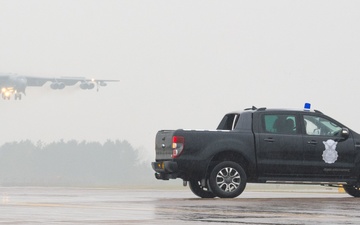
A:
[318,210]
[146,206]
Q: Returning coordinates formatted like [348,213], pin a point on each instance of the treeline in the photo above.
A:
[72,163]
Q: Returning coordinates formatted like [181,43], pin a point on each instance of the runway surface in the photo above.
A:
[169,206]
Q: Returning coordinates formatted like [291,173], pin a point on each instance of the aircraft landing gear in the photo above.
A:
[17,96]
[5,97]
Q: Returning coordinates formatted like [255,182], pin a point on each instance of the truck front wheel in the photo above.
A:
[227,179]
[199,190]
[352,190]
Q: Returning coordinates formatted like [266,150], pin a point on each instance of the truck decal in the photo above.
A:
[330,154]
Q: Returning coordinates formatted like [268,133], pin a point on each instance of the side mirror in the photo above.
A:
[345,133]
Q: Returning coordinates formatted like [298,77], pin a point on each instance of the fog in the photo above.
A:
[72,163]
[181,64]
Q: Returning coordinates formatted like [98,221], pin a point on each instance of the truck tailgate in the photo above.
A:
[163,144]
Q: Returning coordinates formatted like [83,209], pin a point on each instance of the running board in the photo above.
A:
[305,182]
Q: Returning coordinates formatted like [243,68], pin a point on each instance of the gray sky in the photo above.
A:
[182,64]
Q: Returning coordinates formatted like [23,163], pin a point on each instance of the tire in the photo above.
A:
[227,180]
[352,190]
[199,190]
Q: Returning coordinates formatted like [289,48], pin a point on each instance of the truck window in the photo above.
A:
[284,124]
[228,122]
[316,125]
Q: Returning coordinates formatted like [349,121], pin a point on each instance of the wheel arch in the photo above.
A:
[231,155]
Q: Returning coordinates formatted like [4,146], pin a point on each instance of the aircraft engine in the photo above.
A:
[91,85]
[87,85]
[103,84]
[54,86]
[57,85]
[84,85]
[61,85]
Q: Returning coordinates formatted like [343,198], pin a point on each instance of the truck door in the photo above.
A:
[325,153]
[279,145]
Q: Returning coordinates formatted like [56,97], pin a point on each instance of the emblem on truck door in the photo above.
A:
[330,154]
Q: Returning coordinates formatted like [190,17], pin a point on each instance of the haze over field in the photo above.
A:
[72,163]
[181,64]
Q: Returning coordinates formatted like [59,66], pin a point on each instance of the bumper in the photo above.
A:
[165,170]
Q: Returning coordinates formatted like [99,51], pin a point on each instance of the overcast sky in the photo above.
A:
[181,64]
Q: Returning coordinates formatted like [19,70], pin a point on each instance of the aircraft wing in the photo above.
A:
[68,81]
[16,84]
[36,81]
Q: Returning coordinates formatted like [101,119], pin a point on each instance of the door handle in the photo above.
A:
[312,142]
[269,139]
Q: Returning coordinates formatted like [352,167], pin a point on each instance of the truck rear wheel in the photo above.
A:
[227,179]
[352,190]
[199,190]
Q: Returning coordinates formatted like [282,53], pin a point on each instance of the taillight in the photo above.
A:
[177,146]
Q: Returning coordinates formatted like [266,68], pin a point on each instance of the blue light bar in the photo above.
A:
[307,107]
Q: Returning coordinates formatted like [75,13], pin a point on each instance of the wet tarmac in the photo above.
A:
[169,206]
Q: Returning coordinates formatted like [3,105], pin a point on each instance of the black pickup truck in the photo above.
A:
[260,145]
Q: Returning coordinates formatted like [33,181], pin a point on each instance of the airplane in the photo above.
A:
[13,84]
